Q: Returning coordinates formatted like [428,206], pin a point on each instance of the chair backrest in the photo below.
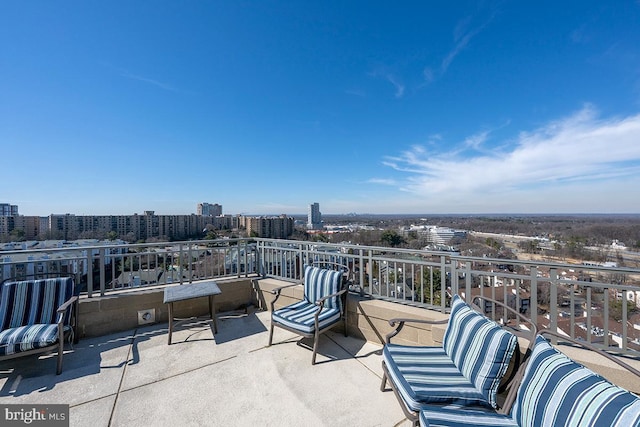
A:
[557,391]
[479,348]
[30,302]
[320,282]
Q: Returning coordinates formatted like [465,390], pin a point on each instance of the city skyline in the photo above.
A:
[367,107]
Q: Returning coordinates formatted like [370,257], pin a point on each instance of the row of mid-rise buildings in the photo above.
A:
[139,227]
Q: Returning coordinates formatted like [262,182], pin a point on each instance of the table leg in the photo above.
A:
[212,311]
[170,322]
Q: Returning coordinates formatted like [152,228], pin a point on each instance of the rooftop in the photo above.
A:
[134,378]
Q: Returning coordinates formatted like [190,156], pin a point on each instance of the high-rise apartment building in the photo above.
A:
[8,210]
[208,209]
[276,227]
[314,218]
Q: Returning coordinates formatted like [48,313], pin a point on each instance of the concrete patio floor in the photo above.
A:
[134,378]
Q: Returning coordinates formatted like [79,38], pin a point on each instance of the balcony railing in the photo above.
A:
[589,302]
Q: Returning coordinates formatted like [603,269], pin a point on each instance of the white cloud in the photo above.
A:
[575,157]
[475,141]
[382,181]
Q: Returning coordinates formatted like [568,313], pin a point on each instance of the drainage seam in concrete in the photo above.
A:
[353,356]
[152,382]
[179,373]
[124,370]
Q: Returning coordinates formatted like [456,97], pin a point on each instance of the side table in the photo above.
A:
[189,291]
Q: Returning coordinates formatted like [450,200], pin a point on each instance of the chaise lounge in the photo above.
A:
[466,371]
[553,391]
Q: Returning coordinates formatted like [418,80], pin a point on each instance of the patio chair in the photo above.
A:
[36,316]
[553,390]
[322,307]
[466,371]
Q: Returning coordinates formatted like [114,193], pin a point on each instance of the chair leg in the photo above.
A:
[271,333]
[60,353]
[346,331]
[383,386]
[316,338]
[315,351]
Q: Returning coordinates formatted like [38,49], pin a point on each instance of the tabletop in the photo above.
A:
[190,290]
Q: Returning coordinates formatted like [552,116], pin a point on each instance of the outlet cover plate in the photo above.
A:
[146,316]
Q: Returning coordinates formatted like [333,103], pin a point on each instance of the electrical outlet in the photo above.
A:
[146,316]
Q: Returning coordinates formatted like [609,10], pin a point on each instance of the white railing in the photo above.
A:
[588,302]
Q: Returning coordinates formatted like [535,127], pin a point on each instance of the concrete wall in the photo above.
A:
[119,311]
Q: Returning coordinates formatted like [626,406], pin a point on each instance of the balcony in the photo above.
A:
[123,373]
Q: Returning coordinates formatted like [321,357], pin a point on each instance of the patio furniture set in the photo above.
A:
[458,384]
[485,373]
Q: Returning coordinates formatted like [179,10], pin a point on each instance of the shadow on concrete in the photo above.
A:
[234,325]
[37,372]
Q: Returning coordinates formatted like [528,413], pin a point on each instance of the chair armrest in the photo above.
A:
[64,307]
[277,291]
[321,301]
[66,304]
[399,324]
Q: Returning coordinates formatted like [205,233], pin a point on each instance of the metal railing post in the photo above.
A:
[180,261]
[89,268]
[102,272]
[443,283]
[533,297]
[553,299]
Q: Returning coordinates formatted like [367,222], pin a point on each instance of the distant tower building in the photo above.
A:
[314,219]
[8,210]
[208,209]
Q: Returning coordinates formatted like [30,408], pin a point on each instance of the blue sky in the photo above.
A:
[116,107]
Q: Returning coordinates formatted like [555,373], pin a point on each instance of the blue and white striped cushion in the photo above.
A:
[463,417]
[557,391]
[427,375]
[300,316]
[320,282]
[24,338]
[479,347]
[33,302]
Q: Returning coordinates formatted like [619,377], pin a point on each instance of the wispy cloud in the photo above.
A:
[391,78]
[356,92]
[382,181]
[476,141]
[397,84]
[132,76]
[579,150]
[152,82]
[464,31]
[579,35]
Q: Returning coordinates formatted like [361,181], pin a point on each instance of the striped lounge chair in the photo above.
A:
[554,391]
[36,316]
[320,309]
[466,371]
